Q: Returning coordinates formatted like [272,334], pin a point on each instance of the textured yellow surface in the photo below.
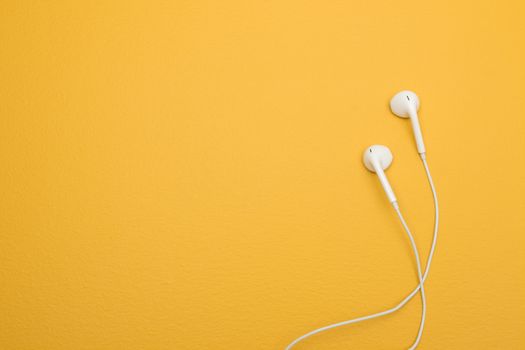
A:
[187,174]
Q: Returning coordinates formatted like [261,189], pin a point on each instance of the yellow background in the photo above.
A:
[187,174]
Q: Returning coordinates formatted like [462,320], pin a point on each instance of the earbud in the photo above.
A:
[405,104]
[378,158]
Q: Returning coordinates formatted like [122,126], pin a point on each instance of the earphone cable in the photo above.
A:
[408,297]
[419,275]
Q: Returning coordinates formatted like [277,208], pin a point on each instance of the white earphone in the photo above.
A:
[405,104]
[377,158]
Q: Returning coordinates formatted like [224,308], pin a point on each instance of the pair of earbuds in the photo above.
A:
[377,158]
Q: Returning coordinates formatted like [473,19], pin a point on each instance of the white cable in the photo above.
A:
[433,246]
[408,297]
[384,313]
[419,275]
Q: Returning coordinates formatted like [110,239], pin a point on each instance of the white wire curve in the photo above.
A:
[419,275]
[409,296]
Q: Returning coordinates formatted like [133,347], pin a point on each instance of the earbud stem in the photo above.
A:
[384,181]
[417,131]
